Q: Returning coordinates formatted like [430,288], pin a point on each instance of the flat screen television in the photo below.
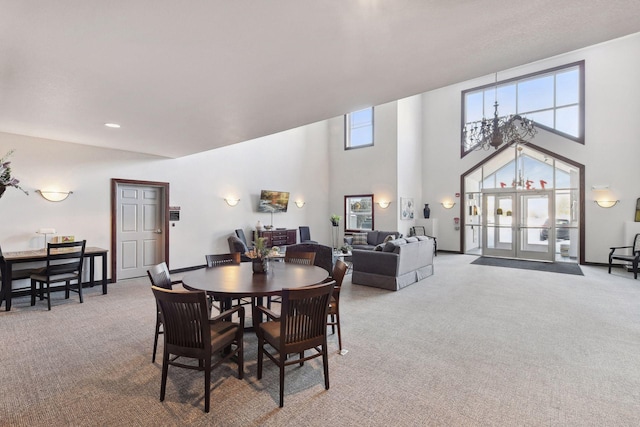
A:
[273,201]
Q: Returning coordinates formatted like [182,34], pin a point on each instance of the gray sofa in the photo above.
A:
[395,264]
[374,238]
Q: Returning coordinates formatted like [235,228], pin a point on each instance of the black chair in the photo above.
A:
[160,277]
[419,230]
[190,333]
[16,274]
[633,258]
[241,236]
[305,235]
[301,325]
[236,245]
[64,264]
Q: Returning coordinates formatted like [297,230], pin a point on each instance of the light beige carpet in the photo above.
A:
[470,346]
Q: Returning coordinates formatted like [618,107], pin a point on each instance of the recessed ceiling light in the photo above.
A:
[112,125]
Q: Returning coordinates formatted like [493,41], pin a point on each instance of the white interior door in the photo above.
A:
[140,233]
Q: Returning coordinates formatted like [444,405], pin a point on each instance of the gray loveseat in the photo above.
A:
[373,239]
[395,264]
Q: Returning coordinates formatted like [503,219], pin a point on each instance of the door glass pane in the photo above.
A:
[504,221]
[534,215]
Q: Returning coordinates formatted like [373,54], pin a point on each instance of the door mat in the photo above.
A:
[553,267]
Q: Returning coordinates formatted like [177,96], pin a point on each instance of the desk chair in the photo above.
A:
[64,264]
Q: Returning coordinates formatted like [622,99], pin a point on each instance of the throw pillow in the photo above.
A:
[359,238]
[379,247]
[389,237]
[411,239]
[392,245]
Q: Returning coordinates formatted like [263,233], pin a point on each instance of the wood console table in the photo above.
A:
[22,257]
[277,237]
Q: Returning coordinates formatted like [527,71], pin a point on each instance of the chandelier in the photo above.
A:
[487,133]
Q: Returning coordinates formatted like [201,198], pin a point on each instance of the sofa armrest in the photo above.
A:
[375,262]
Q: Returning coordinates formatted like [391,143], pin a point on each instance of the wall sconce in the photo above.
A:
[54,196]
[231,201]
[299,203]
[383,204]
[602,189]
[448,204]
[606,203]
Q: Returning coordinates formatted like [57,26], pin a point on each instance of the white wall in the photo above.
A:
[610,152]
[370,170]
[294,161]
[409,159]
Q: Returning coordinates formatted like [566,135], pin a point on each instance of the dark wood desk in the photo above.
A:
[23,257]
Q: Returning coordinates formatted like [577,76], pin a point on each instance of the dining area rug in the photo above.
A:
[553,267]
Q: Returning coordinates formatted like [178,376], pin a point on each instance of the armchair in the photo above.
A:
[633,258]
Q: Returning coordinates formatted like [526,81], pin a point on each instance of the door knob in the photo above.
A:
[158,231]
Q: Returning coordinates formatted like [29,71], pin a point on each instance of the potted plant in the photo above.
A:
[345,249]
[259,254]
[6,180]
[335,220]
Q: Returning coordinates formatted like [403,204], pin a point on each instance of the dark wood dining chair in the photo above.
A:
[633,257]
[301,326]
[64,264]
[339,271]
[189,333]
[302,258]
[160,277]
[219,260]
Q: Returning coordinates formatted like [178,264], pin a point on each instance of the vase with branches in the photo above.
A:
[6,180]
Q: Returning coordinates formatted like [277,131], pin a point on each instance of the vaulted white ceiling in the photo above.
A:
[185,77]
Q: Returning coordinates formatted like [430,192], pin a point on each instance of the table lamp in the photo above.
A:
[46,231]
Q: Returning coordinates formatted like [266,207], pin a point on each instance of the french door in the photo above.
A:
[515,225]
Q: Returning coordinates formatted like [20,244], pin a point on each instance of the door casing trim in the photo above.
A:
[115,182]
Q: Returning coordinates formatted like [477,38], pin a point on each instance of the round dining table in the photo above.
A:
[229,282]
